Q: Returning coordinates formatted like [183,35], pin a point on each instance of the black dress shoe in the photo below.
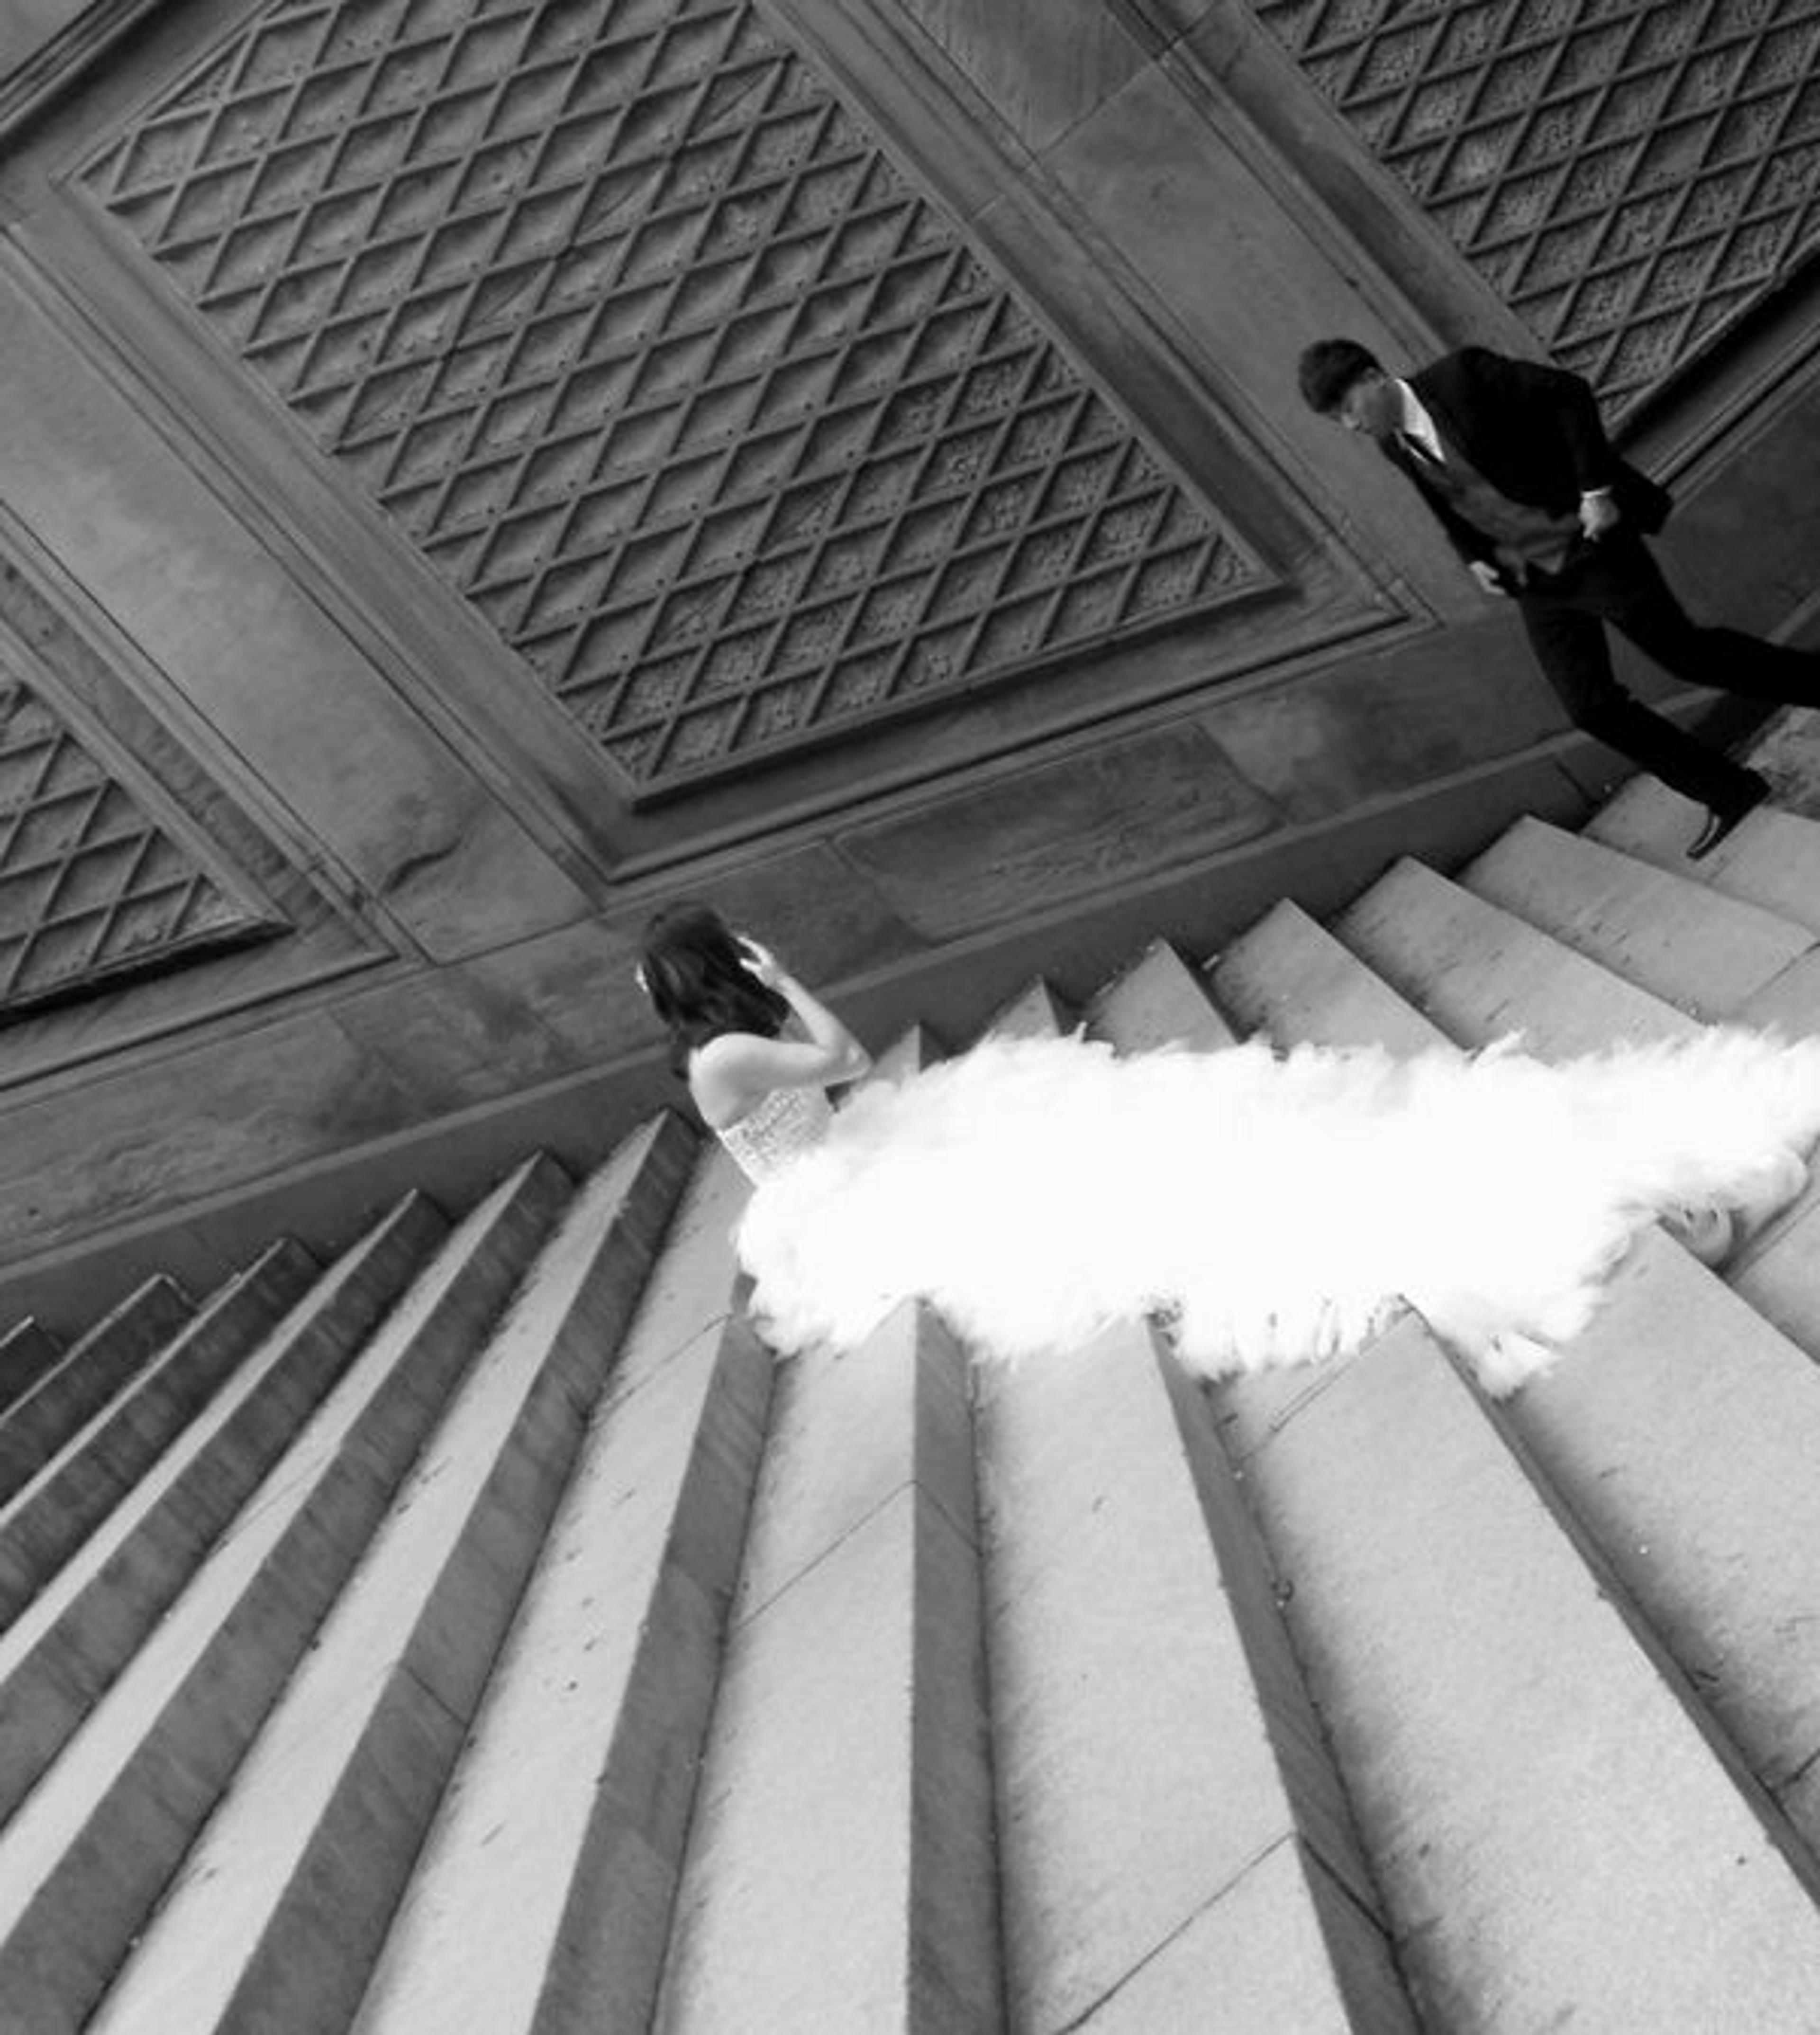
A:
[1721,820]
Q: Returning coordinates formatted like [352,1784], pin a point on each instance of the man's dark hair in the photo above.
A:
[1328,368]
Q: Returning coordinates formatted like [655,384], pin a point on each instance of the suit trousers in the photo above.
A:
[1616,583]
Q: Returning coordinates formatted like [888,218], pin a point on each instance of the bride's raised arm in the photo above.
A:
[728,1074]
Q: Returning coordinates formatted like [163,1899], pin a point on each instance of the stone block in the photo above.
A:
[1522,1768]
[1706,954]
[839,1871]
[1480,973]
[1051,831]
[1140,1767]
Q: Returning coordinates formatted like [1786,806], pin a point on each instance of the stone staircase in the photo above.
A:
[479,1633]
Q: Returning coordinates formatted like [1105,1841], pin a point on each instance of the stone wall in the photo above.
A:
[471,475]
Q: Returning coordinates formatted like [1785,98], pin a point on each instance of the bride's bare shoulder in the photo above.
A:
[725,1073]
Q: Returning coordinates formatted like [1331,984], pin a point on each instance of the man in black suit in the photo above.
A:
[1512,458]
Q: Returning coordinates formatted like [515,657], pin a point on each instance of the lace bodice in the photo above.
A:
[778,1129]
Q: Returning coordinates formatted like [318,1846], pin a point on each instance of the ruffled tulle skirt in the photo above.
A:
[1273,1209]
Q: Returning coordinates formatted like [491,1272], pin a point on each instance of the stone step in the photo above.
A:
[1772,860]
[1675,1372]
[839,1873]
[1480,972]
[1682,1428]
[45,1522]
[59,1657]
[279,1909]
[27,1350]
[1706,953]
[1289,978]
[568,1809]
[108,1823]
[1778,1272]
[840,1864]
[1293,977]
[1161,1000]
[1557,1836]
[1174,1847]
[69,1394]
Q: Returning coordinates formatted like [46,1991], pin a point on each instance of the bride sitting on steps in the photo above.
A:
[1270,1208]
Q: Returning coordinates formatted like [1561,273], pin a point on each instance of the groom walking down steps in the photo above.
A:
[1513,459]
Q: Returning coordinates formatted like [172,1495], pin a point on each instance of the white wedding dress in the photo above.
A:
[1273,1209]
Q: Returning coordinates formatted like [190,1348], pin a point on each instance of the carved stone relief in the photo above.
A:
[643,342]
[1632,177]
[91,887]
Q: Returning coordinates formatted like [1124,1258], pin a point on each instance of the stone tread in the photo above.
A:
[1152,1740]
[1507,1735]
[157,1749]
[1480,972]
[278,1912]
[1634,1443]
[1724,1587]
[839,1873]
[27,1350]
[1704,953]
[68,1394]
[1158,1001]
[1289,978]
[1772,860]
[569,1806]
[1682,1429]
[58,1657]
[839,1869]
[1485,973]
[127,1440]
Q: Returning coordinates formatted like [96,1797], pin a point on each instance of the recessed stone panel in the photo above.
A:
[1069,828]
[637,333]
[1632,177]
[93,887]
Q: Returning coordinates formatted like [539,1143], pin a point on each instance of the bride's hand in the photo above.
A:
[761,962]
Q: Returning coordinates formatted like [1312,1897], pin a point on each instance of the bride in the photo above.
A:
[1268,1208]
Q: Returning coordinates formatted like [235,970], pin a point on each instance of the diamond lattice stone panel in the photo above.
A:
[1630,178]
[89,887]
[634,331]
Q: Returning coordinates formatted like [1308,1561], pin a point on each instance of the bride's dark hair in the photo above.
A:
[693,970]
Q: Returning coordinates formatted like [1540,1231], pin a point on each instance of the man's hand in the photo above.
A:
[1598,514]
[1482,570]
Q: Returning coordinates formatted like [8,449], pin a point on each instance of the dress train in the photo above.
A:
[1274,1209]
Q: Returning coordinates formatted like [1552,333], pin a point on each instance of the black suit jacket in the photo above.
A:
[1534,433]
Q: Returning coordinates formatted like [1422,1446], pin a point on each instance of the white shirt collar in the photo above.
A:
[1416,422]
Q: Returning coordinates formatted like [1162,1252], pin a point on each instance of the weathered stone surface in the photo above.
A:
[1160,1001]
[1097,819]
[332,745]
[286,1899]
[1523,1770]
[1699,1508]
[1478,973]
[568,1808]
[1772,860]
[63,1397]
[1145,1757]
[171,1720]
[1039,66]
[1256,1957]
[1704,953]
[1287,976]
[51,1517]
